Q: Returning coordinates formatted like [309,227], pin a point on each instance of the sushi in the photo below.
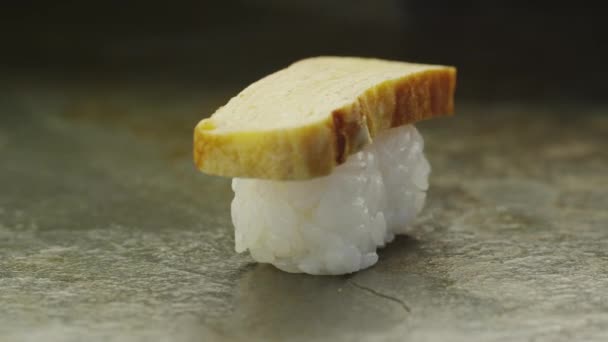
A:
[327,165]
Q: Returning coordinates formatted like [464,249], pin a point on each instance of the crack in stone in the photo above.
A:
[381,295]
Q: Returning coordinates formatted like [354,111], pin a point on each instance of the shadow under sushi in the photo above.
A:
[400,292]
[265,299]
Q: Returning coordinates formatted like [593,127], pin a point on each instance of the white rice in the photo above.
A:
[334,224]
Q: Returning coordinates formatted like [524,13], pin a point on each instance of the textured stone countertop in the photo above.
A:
[107,232]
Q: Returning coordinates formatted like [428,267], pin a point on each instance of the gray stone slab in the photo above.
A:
[107,232]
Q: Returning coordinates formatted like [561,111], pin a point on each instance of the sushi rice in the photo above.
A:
[334,224]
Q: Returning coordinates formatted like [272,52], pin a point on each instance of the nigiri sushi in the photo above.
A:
[327,165]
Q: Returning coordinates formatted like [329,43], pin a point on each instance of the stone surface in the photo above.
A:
[107,232]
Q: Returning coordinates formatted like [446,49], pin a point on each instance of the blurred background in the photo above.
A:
[504,50]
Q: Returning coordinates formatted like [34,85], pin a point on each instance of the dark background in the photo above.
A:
[504,50]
